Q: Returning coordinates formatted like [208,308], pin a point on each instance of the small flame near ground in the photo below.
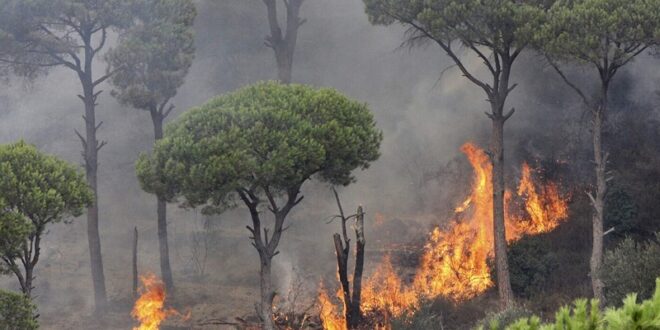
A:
[454,264]
[149,309]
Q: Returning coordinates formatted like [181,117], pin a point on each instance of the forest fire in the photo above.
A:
[149,307]
[454,263]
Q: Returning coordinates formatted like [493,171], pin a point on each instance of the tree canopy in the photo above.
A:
[35,190]
[606,34]
[154,55]
[264,138]
[38,34]
[588,30]
[494,30]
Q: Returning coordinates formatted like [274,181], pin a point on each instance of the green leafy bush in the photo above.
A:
[621,211]
[504,318]
[631,267]
[586,315]
[531,264]
[17,312]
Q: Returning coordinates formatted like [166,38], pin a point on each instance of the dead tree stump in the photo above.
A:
[352,312]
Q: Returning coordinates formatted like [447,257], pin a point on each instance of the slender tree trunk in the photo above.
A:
[165,269]
[267,293]
[265,306]
[342,253]
[501,261]
[356,315]
[135,263]
[598,199]
[284,64]
[267,248]
[284,43]
[91,166]
[29,276]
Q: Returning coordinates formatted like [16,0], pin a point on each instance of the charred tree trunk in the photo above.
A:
[91,148]
[356,312]
[284,44]
[157,117]
[342,252]
[352,312]
[135,263]
[598,199]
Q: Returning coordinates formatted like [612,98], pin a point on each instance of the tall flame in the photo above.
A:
[149,308]
[454,263]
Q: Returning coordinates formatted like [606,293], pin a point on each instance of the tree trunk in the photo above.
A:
[356,316]
[266,248]
[598,200]
[284,65]
[352,312]
[161,210]
[267,293]
[284,44]
[29,276]
[501,261]
[342,269]
[135,263]
[165,269]
[91,166]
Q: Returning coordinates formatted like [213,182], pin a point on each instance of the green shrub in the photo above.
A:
[631,267]
[621,211]
[586,315]
[503,318]
[531,263]
[17,312]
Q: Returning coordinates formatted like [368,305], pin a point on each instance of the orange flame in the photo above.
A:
[385,291]
[454,264]
[331,318]
[149,308]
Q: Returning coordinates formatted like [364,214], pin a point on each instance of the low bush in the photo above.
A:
[631,267]
[17,312]
[531,264]
[504,318]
